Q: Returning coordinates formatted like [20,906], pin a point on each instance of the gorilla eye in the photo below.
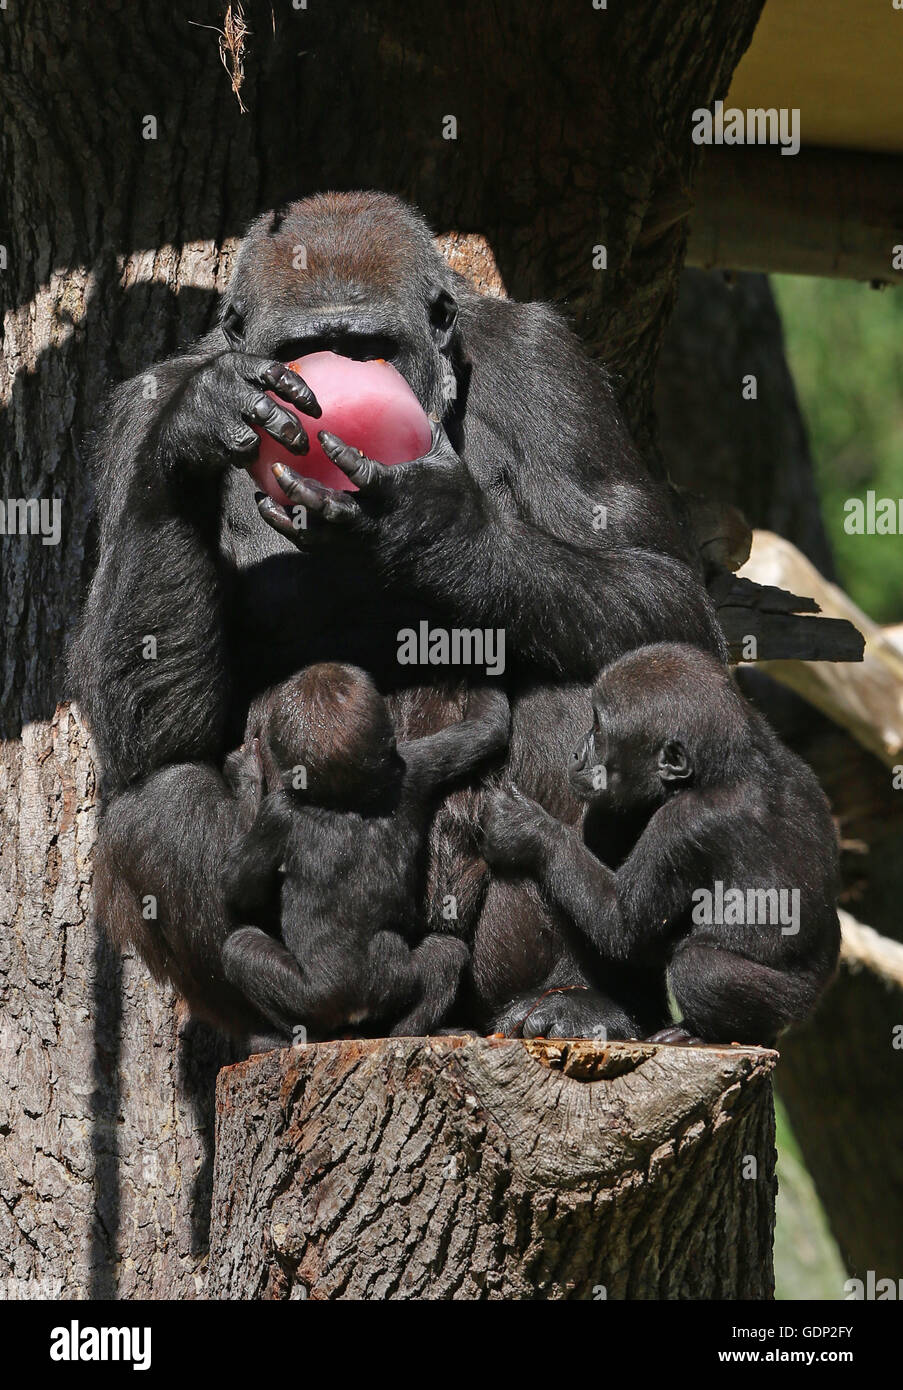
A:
[443,314]
[233,326]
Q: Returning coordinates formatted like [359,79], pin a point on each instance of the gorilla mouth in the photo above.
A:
[360,347]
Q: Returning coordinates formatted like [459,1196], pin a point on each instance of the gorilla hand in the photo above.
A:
[514,830]
[210,423]
[382,489]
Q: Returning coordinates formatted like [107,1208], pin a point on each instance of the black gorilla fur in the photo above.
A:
[697,791]
[494,529]
[346,818]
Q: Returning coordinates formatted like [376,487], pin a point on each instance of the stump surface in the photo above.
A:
[447,1168]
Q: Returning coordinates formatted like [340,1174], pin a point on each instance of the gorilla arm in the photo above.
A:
[253,860]
[160,456]
[458,750]
[623,912]
[565,605]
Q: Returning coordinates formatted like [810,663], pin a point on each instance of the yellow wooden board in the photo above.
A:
[839,61]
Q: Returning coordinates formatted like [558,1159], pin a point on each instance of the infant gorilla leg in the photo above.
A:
[430,976]
[725,997]
[268,975]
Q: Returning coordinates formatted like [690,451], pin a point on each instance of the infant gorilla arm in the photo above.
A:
[706,846]
[346,816]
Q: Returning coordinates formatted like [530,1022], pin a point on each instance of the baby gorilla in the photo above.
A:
[345,819]
[707,847]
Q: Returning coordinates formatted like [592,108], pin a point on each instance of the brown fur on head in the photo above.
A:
[332,722]
[352,273]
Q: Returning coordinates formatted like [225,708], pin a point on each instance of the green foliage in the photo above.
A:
[845,348]
[807,1263]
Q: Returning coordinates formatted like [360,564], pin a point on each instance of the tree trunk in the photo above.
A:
[128,171]
[107,1125]
[858,1104]
[473,1168]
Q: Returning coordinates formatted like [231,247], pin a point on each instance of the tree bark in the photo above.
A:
[572,130]
[106,1124]
[470,1168]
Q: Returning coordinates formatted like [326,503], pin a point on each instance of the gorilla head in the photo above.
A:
[664,717]
[331,721]
[352,273]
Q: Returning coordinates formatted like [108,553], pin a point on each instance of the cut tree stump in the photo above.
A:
[469,1168]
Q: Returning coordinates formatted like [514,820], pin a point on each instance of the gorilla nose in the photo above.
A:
[578,759]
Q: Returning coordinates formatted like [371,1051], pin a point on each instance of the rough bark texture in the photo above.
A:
[106,1125]
[852,1135]
[472,1168]
[840,1076]
[751,453]
[572,131]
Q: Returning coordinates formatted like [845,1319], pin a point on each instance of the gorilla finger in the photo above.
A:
[280,423]
[277,516]
[291,387]
[244,441]
[366,474]
[441,447]
[545,1023]
[323,501]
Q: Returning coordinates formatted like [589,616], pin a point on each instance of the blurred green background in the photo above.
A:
[845,348]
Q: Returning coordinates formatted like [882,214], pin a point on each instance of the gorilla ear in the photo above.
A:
[443,317]
[674,762]
[233,325]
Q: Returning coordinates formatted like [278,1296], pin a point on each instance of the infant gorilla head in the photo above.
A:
[665,717]
[326,735]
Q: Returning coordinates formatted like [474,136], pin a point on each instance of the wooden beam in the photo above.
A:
[866,699]
[820,212]
[787,627]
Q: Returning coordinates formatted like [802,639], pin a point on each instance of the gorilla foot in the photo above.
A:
[678,1036]
[568,1011]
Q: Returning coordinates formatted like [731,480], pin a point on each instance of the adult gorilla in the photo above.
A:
[532,513]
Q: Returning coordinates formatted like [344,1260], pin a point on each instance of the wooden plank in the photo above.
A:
[866,699]
[820,212]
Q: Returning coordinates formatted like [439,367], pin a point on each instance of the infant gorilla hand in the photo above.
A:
[513,830]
